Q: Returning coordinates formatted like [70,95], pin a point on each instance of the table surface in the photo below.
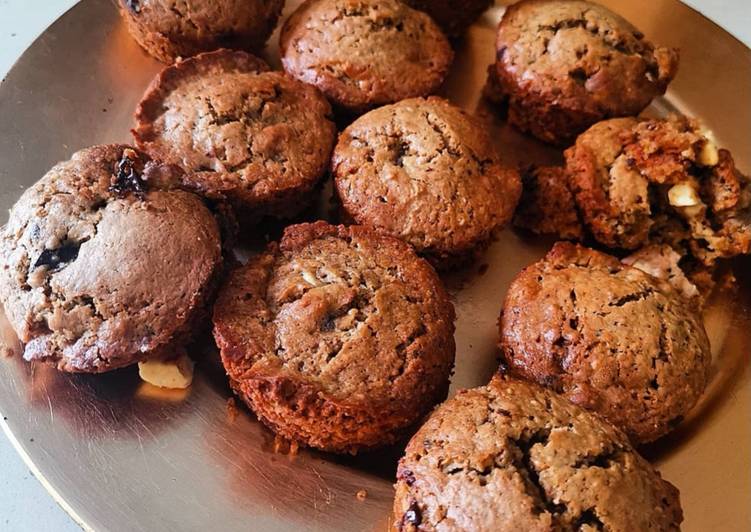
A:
[24,504]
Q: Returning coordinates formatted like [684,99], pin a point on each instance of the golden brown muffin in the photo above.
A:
[608,337]
[261,139]
[365,53]
[104,264]
[427,172]
[512,456]
[564,65]
[454,16]
[340,338]
[168,29]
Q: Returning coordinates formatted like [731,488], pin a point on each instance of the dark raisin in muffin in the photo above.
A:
[105,263]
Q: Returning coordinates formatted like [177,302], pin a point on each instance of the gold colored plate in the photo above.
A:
[121,456]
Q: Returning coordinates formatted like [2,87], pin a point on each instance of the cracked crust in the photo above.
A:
[337,337]
[454,16]
[621,173]
[427,172]
[104,264]
[564,65]
[365,53]
[168,29]
[607,336]
[513,456]
[261,139]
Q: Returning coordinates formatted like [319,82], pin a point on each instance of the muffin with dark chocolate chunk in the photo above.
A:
[260,139]
[427,172]
[365,53]
[512,456]
[608,337]
[339,338]
[167,29]
[105,263]
[564,65]
[454,16]
[660,181]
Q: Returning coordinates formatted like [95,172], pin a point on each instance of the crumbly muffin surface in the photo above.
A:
[260,138]
[607,336]
[339,338]
[102,266]
[513,456]
[365,53]
[427,172]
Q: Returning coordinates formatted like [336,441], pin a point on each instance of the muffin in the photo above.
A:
[260,139]
[454,16]
[564,65]
[427,172]
[608,337]
[338,338]
[104,264]
[167,29]
[365,53]
[513,456]
[660,181]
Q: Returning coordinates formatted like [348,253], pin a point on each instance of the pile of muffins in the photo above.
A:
[341,337]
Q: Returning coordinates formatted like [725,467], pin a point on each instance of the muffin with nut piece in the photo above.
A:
[338,338]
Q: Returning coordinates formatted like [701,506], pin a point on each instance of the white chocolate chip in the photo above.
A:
[175,373]
[309,278]
[708,155]
[683,195]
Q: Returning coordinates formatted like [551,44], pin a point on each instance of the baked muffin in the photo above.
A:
[339,338]
[564,65]
[104,264]
[427,172]
[365,53]
[454,16]
[660,181]
[608,337]
[513,456]
[260,139]
[167,29]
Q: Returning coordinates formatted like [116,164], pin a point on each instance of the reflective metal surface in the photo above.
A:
[120,455]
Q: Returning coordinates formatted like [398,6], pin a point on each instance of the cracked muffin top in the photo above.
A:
[427,172]
[660,181]
[567,64]
[454,16]
[513,456]
[365,53]
[608,337]
[261,139]
[337,337]
[104,264]
[168,29]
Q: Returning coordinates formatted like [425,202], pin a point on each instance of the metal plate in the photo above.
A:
[120,456]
